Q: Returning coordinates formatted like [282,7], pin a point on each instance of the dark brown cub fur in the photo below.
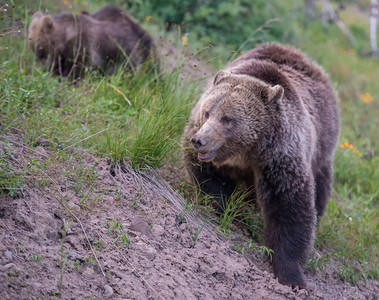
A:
[143,43]
[68,44]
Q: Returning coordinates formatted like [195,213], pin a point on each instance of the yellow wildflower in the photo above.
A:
[351,146]
[366,97]
[148,18]
[351,51]
[65,2]
[185,40]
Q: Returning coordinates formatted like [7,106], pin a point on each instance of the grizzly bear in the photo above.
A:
[269,120]
[67,44]
[144,44]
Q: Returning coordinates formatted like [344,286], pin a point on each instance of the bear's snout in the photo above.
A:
[198,142]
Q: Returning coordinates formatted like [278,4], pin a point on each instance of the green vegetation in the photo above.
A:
[11,181]
[202,18]
[140,116]
[117,232]
[234,208]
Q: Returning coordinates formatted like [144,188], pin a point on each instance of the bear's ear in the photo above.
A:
[47,24]
[37,15]
[275,93]
[221,75]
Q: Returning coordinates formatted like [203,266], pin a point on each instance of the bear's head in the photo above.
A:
[44,38]
[233,115]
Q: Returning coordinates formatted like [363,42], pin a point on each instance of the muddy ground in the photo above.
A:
[82,229]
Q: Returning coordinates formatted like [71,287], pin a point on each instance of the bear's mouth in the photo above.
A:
[206,156]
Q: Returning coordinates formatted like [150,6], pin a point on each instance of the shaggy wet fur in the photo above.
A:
[270,120]
[67,44]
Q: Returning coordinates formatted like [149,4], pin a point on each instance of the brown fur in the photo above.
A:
[145,43]
[67,44]
[270,119]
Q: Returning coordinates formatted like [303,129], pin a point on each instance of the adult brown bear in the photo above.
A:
[270,119]
[68,44]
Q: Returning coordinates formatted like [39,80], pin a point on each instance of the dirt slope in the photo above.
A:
[147,246]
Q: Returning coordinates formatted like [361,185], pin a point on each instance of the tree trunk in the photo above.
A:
[310,8]
[373,27]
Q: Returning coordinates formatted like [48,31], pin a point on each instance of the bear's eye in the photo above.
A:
[226,120]
[206,115]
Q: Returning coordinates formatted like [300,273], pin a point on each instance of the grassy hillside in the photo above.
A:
[140,116]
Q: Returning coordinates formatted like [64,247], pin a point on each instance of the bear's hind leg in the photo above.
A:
[324,184]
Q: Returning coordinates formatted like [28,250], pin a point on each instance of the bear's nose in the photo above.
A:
[198,142]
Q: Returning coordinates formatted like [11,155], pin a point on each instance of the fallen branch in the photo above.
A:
[329,10]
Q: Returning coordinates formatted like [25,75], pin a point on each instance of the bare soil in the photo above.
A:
[116,233]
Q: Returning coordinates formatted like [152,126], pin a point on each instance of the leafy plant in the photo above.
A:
[198,230]
[116,230]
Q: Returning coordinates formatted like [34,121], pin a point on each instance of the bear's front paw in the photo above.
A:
[291,275]
[293,282]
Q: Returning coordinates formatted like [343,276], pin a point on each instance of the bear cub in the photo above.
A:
[271,121]
[67,44]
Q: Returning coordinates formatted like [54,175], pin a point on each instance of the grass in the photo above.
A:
[117,231]
[234,208]
[11,180]
[139,117]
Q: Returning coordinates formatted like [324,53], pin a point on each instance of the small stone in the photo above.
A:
[8,257]
[72,255]
[108,290]
[158,230]
[147,251]
[8,266]
[140,224]
[88,271]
